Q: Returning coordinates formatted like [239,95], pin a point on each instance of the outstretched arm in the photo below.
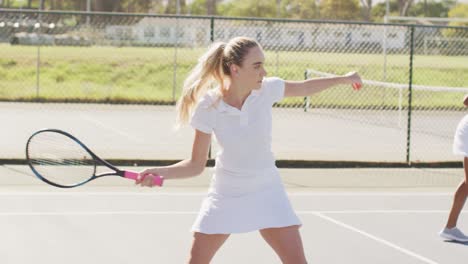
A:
[311,86]
[185,168]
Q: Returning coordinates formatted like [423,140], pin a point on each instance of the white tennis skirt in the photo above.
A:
[460,141]
[245,202]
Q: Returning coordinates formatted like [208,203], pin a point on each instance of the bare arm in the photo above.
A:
[185,168]
[311,86]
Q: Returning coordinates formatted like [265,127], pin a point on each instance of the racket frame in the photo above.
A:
[96,159]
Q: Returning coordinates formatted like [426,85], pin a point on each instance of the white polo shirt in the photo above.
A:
[244,136]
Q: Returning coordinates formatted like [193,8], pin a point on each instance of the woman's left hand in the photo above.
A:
[354,79]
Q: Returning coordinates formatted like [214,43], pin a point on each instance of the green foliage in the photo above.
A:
[248,8]
[171,7]
[379,10]
[430,9]
[293,9]
[299,9]
[459,11]
[340,9]
[197,7]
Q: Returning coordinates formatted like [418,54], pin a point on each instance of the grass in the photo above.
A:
[142,74]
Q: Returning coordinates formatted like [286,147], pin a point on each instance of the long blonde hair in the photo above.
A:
[212,68]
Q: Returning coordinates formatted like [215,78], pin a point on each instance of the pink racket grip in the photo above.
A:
[158,180]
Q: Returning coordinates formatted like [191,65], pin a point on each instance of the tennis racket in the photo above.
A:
[59,159]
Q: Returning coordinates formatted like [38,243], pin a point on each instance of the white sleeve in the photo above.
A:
[274,89]
[204,116]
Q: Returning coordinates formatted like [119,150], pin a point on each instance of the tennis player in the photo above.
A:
[228,94]
[460,147]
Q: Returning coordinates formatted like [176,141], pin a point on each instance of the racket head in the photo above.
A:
[59,159]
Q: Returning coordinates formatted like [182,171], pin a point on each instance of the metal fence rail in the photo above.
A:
[415,78]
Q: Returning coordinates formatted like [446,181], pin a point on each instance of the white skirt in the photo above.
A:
[245,202]
[460,140]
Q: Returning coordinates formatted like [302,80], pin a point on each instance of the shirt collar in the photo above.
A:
[223,107]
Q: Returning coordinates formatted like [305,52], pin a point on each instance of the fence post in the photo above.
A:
[410,97]
[38,60]
[38,68]
[212,29]
[174,75]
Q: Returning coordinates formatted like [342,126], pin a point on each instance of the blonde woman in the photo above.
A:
[246,193]
[460,147]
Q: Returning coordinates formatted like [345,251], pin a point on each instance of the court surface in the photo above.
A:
[349,216]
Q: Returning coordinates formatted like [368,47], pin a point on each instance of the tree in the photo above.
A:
[134,6]
[156,7]
[404,6]
[248,8]
[431,8]
[366,9]
[459,11]
[211,7]
[298,9]
[339,9]
[203,7]
[197,7]
[171,7]
[103,5]
[379,10]
[455,44]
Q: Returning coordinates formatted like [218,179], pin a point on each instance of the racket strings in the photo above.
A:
[60,159]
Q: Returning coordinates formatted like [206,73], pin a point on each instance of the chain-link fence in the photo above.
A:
[407,110]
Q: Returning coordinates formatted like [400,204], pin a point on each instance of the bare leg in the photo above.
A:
[459,198]
[457,204]
[286,242]
[205,246]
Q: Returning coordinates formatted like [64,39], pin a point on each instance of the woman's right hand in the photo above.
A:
[148,178]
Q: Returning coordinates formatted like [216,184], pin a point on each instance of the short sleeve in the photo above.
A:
[204,116]
[274,89]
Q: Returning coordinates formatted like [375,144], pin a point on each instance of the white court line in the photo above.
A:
[385,194]
[97,213]
[385,242]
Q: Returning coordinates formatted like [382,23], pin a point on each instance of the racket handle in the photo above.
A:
[158,179]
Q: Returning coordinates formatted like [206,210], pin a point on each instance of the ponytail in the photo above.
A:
[207,72]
